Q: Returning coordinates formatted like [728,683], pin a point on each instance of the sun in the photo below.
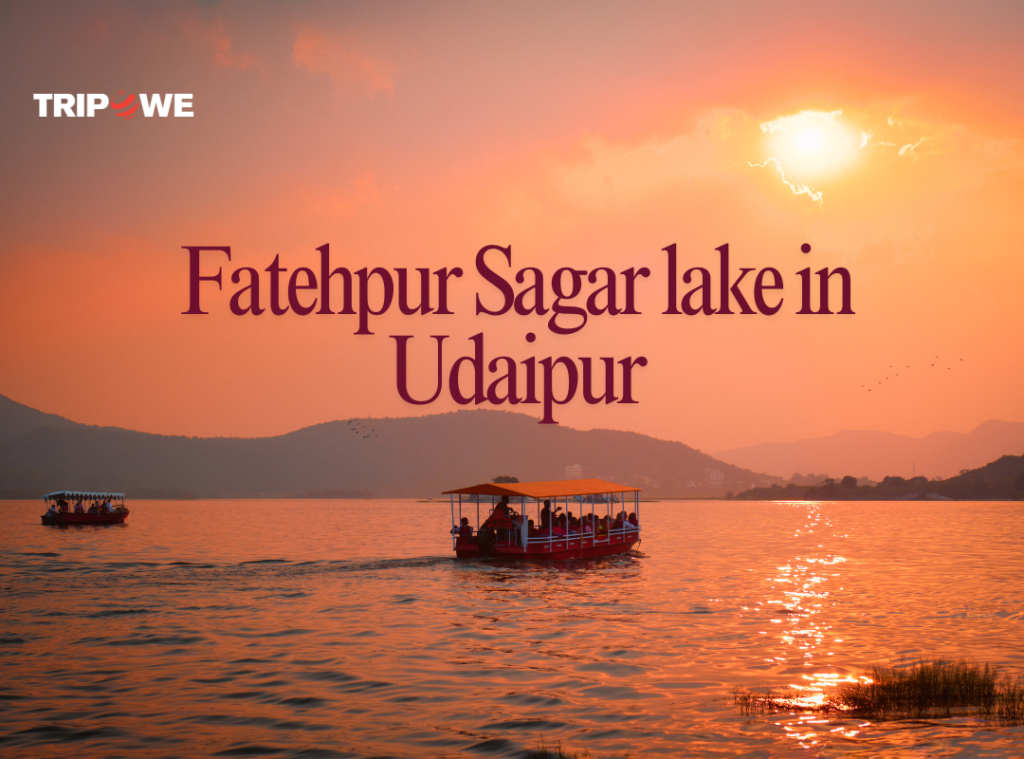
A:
[809,140]
[811,145]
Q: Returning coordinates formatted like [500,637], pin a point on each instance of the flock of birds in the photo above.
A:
[897,374]
[361,427]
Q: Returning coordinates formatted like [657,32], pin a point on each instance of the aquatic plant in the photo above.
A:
[936,688]
[939,686]
[543,752]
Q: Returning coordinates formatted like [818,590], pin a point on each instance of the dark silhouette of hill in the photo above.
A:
[1000,480]
[880,454]
[16,420]
[403,457]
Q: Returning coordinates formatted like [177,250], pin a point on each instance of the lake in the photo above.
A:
[346,629]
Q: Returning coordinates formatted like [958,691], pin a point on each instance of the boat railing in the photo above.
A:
[590,537]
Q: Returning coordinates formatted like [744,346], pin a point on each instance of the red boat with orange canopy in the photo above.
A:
[84,507]
[509,531]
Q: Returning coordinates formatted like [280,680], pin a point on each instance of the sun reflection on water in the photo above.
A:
[799,592]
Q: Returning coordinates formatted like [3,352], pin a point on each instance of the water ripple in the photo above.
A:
[180,636]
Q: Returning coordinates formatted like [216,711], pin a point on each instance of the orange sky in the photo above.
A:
[581,134]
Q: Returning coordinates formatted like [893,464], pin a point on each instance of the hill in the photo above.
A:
[1000,480]
[403,457]
[17,420]
[880,454]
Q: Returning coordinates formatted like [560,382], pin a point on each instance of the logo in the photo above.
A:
[123,109]
[125,106]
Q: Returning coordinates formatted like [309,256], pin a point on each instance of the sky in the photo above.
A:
[885,136]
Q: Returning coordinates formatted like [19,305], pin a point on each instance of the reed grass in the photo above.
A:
[543,752]
[937,688]
[921,688]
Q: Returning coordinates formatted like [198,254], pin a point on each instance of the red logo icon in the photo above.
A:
[123,109]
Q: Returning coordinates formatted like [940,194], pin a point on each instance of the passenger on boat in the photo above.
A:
[633,520]
[499,513]
[532,530]
[94,508]
[545,515]
[79,509]
[502,508]
[465,531]
[485,539]
[558,526]
[52,510]
[500,524]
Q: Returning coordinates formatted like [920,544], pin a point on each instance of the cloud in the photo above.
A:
[348,68]
[624,174]
[214,35]
[798,189]
[917,139]
[864,175]
[797,122]
[911,147]
[629,175]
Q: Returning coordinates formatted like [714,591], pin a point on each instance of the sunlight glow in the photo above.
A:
[811,145]
[809,140]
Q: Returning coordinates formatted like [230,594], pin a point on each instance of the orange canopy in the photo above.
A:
[551,489]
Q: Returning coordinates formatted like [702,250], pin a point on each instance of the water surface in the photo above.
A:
[346,629]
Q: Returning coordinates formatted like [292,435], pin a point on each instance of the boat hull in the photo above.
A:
[556,549]
[72,518]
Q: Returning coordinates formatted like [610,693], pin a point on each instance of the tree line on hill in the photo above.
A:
[1000,480]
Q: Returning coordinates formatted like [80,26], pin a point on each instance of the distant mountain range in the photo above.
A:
[405,457]
[881,454]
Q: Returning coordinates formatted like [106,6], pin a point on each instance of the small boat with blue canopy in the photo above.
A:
[558,519]
[65,507]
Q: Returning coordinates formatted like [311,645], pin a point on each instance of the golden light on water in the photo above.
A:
[799,595]
[807,701]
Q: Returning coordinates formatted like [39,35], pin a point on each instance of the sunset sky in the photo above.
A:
[887,136]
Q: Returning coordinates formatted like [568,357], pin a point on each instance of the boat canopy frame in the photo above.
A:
[545,489]
[84,495]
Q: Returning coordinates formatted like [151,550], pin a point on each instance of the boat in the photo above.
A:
[97,508]
[534,520]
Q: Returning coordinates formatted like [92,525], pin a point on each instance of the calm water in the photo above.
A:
[345,629]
